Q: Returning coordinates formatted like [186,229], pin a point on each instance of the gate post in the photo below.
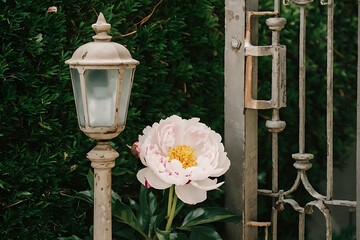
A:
[240,123]
[358,137]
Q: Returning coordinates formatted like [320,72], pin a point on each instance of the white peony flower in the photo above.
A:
[184,153]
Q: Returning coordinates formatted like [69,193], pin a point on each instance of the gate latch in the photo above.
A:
[278,53]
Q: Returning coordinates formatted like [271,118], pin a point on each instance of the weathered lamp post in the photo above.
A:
[102,73]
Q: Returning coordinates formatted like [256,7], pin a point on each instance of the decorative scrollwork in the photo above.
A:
[324,2]
[286,2]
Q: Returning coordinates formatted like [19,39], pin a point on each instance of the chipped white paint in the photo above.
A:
[102,54]
[103,159]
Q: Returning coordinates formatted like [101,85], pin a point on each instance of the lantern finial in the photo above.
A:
[101,27]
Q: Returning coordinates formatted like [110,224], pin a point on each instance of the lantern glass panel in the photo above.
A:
[101,90]
[75,78]
[125,94]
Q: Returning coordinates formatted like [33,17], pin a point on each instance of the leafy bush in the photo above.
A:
[42,150]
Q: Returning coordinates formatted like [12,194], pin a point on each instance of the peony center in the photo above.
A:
[184,154]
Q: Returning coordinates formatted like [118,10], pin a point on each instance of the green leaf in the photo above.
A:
[178,236]
[120,171]
[203,233]
[22,193]
[124,214]
[179,206]
[146,213]
[73,237]
[4,185]
[159,214]
[134,204]
[87,196]
[207,215]
[164,235]
[115,196]
[90,179]
[123,231]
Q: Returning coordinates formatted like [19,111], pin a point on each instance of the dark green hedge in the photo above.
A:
[42,150]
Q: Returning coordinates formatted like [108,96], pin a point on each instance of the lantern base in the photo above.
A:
[101,134]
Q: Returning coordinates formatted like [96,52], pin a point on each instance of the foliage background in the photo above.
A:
[181,53]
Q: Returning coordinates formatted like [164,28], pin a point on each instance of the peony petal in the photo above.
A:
[222,168]
[166,137]
[155,181]
[146,174]
[141,175]
[161,172]
[207,184]
[190,194]
[199,174]
[178,129]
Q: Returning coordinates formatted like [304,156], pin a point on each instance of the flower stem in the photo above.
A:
[172,213]
[143,234]
[171,193]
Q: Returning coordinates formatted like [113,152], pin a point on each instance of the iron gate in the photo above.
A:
[241,110]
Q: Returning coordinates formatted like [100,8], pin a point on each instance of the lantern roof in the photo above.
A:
[102,52]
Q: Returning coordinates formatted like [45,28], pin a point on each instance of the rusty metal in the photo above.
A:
[278,88]
[240,123]
[323,2]
[265,225]
[246,49]
[302,70]
[275,125]
[301,226]
[286,2]
[330,101]
[278,53]
[235,43]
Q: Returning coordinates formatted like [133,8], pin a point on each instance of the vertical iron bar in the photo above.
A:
[327,215]
[358,137]
[301,226]
[277,6]
[302,72]
[275,184]
[329,101]
[276,39]
[275,146]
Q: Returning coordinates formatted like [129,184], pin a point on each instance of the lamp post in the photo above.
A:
[102,73]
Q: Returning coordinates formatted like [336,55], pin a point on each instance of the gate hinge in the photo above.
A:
[278,54]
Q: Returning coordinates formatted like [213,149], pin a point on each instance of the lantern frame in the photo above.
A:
[102,54]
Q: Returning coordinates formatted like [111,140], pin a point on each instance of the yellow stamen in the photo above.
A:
[184,154]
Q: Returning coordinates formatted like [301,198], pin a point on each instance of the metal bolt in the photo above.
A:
[235,43]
